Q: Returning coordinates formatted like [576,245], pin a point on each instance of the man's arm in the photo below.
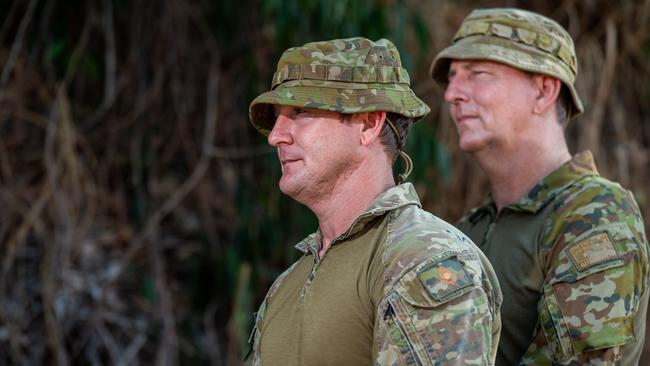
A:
[594,300]
[443,311]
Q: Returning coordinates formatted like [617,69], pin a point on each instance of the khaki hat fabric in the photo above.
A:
[518,38]
[343,75]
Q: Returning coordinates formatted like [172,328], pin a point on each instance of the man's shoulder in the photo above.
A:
[590,202]
[594,221]
[421,230]
[589,189]
[418,239]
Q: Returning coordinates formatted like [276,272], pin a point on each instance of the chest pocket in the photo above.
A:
[431,315]
[590,302]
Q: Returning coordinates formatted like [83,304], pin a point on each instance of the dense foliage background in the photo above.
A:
[140,220]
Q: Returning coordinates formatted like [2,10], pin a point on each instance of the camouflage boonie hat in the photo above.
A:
[343,75]
[518,38]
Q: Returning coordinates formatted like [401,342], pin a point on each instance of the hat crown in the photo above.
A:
[357,51]
[522,27]
[353,60]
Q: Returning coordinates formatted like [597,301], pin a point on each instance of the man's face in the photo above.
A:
[490,102]
[316,150]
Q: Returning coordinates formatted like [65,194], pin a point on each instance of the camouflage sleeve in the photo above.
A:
[438,312]
[595,293]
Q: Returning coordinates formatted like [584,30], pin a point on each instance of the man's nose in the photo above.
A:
[281,132]
[455,91]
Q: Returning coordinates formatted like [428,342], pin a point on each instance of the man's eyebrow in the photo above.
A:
[467,65]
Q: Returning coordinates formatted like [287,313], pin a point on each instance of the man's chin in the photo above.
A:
[288,187]
[469,146]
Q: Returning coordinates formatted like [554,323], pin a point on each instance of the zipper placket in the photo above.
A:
[317,261]
[312,272]
[488,232]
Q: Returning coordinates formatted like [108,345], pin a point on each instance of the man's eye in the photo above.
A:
[298,111]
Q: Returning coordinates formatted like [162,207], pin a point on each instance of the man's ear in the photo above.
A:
[548,90]
[372,123]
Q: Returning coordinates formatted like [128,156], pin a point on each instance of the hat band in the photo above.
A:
[352,74]
[534,39]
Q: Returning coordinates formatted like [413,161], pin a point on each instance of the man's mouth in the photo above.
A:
[286,162]
[465,117]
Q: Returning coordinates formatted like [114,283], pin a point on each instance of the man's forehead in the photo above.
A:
[473,64]
[277,108]
[469,64]
[290,109]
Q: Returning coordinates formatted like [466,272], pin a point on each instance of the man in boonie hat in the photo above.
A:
[568,245]
[381,281]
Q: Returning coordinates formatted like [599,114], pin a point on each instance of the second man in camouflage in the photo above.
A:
[568,245]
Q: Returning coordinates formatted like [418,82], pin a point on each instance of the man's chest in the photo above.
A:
[323,310]
[513,243]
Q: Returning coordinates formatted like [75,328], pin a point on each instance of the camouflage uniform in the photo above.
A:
[400,286]
[575,272]
[571,256]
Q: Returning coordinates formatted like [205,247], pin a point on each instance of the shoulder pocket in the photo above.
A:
[435,281]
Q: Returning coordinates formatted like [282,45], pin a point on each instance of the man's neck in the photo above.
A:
[347,200]
[512,174]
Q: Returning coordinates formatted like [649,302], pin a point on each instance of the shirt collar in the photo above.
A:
[580,166]
[393,198]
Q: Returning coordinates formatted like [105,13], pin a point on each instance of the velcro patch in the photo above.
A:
[593,250]
[444,278]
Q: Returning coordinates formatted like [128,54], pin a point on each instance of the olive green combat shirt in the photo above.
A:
[572,261]
[399,287]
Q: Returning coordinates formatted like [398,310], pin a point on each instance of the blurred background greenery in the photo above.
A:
[140,219]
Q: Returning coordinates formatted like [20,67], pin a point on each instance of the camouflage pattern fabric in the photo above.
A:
[518,38]
[343,75]
[592,255]
[438,300]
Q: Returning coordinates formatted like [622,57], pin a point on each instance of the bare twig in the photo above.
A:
[79,50]
[9,19]
[44,30]
[53,331]
[20,234]
[110,56]
[110,64]
[18,43]
[166,354]
[129,354]
[5,167]
[109,341]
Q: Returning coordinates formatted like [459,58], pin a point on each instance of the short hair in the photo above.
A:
[387,137]
[563,106]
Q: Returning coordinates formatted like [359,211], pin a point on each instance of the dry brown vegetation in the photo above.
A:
[140,222]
